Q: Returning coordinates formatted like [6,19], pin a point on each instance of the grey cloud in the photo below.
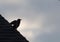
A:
[45,5]
[53,37]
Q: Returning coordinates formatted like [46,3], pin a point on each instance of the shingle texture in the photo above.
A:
[8,34]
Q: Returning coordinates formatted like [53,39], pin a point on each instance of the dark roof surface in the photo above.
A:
[9,35]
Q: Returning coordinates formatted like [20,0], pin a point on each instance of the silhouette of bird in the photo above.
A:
[15,23]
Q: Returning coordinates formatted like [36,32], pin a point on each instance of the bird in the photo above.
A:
[15,24]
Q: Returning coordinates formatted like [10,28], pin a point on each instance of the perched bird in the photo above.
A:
[15,23]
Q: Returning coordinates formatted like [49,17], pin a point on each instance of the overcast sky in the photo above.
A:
[40,18]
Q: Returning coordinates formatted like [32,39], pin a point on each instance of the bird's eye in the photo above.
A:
[12,24]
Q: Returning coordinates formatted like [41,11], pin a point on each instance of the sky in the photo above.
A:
[40,18]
